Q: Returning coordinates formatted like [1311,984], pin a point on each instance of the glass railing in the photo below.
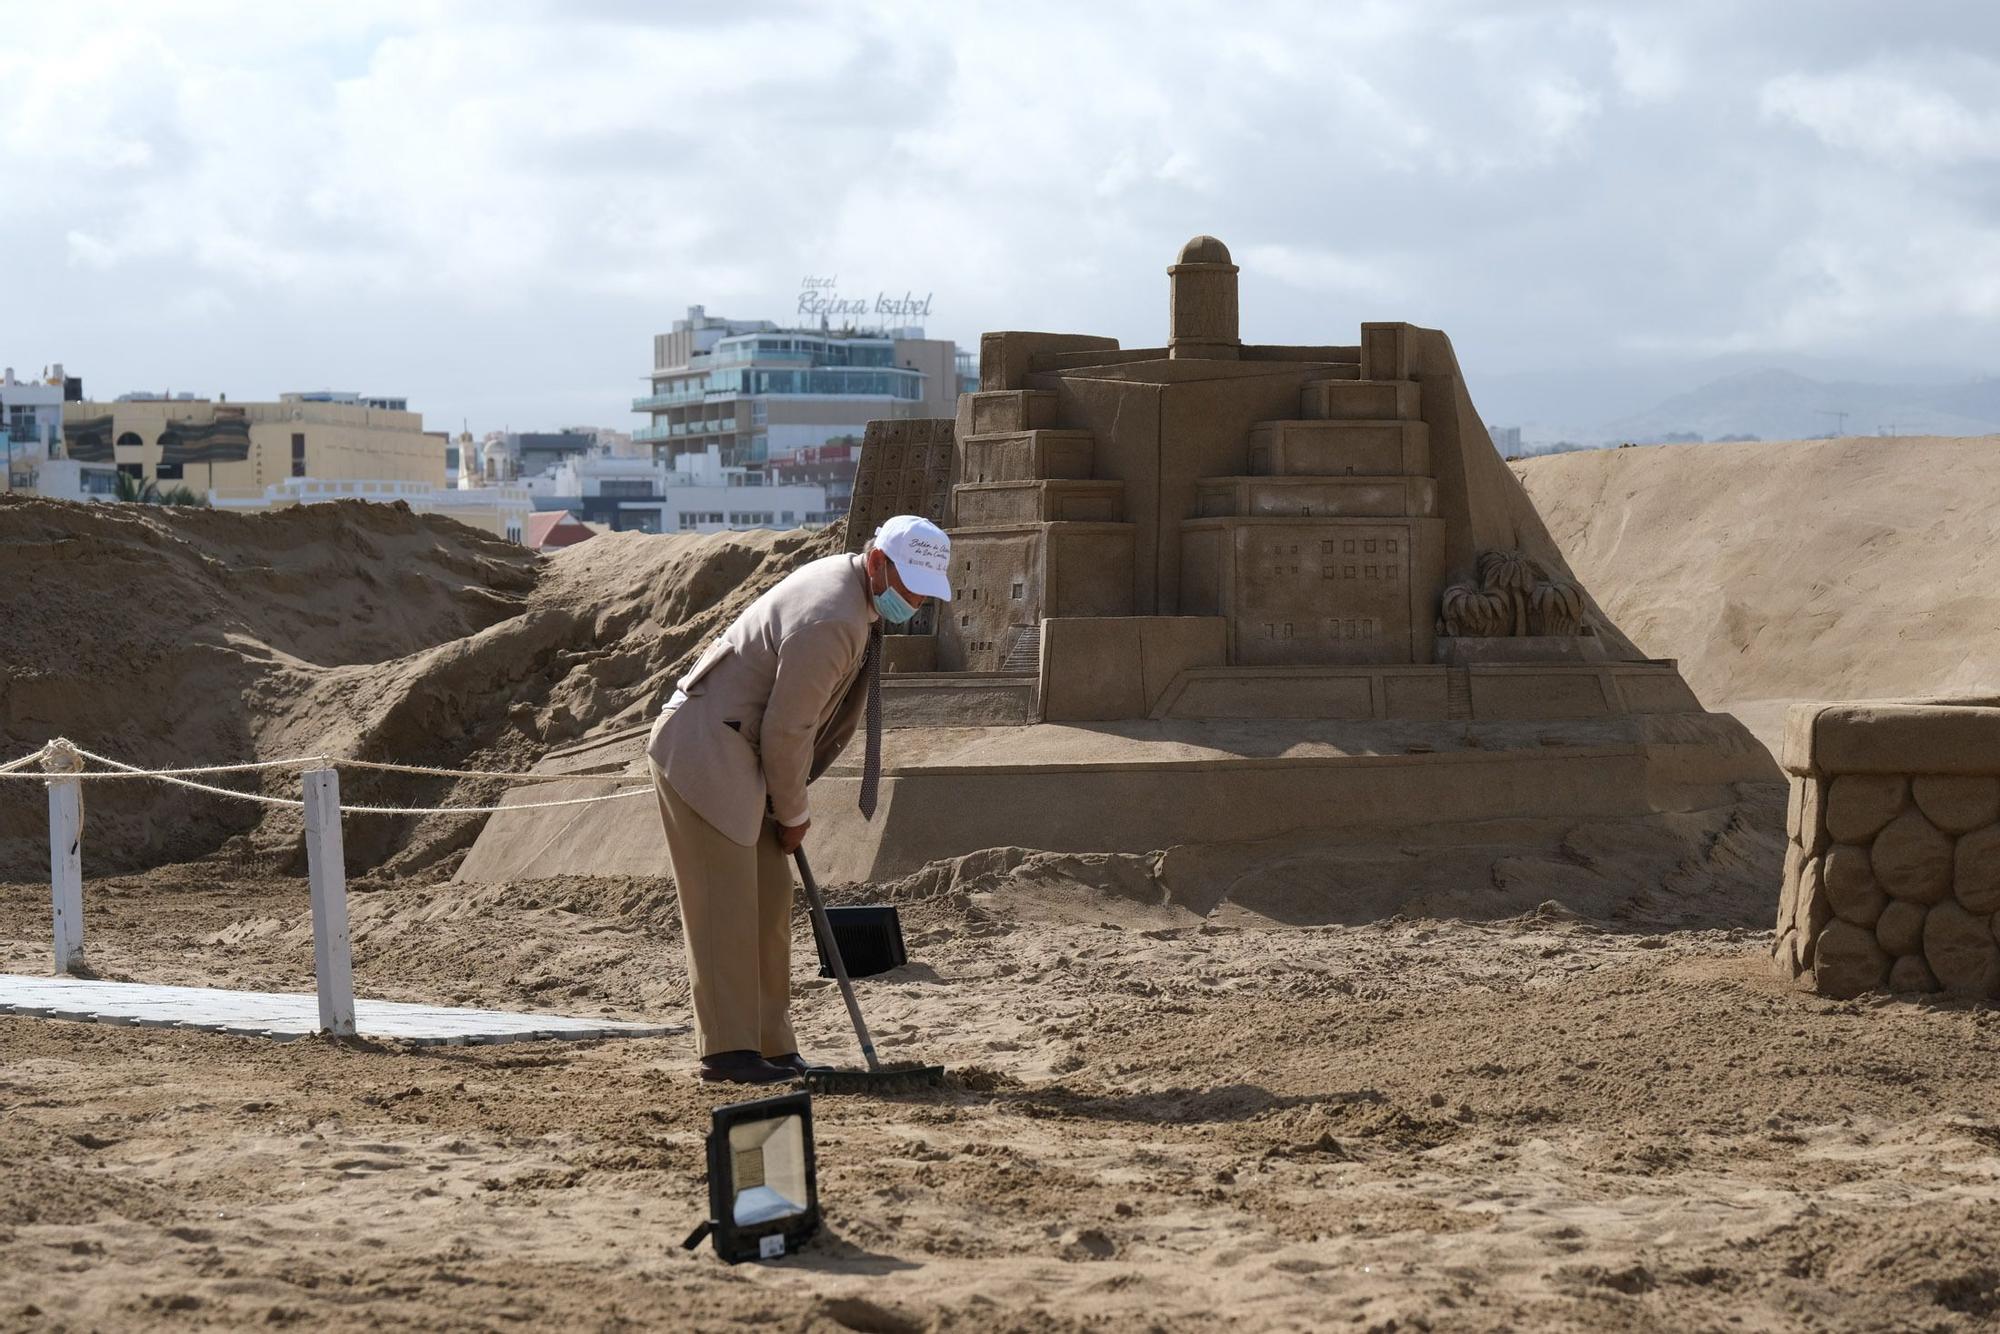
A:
[681,430]
[653,402]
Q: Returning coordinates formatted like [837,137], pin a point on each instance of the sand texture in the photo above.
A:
[167,637]
[1523,1075]
[1155,1122]
[1804,570]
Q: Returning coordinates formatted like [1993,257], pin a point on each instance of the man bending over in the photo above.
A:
[762,713]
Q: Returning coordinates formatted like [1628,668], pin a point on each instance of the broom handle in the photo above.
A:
[824,930]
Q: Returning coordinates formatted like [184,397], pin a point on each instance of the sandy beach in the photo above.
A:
[1534,1075]
[1537,1122]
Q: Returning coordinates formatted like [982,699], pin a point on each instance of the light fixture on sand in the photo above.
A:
[763,1195]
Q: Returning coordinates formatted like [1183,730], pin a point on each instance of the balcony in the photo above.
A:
[653,402]
[686,429]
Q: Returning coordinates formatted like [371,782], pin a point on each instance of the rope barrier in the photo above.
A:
[71,756]
[125,772]
[479,773]
[346,809]
[210,788]
[303,762]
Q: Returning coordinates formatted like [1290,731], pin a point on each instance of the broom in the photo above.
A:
[876,1078]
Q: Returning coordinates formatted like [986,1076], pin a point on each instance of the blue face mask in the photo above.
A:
[893,607]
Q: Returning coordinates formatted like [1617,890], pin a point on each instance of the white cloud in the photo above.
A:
[1894,115]
[431,197]
[1324,272]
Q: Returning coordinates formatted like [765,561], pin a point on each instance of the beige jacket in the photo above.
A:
[772,702]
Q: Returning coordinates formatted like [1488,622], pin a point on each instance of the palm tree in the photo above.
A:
[1512,574]
[137,490]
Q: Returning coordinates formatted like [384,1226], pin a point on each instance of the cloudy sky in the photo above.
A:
[492,206]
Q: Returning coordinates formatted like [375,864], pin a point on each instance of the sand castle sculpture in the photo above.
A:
[1220,590]
[1307,507]
[1892,872]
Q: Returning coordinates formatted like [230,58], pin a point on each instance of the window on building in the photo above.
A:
[168,472]
[130,440]
[299,456]
[136,471]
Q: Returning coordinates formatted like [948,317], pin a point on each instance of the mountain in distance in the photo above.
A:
[1771,395]
[1776,404]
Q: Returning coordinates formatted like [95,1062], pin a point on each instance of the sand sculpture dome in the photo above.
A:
[1204,250]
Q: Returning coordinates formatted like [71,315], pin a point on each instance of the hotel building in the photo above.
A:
[759,392]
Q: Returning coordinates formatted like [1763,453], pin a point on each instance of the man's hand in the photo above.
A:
[790,836]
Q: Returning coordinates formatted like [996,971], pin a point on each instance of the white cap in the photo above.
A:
[922,554]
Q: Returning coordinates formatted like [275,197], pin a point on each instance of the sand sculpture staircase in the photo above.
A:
[1029,518]
[1323,552]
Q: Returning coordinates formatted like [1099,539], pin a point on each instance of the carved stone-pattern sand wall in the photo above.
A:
[1892,869]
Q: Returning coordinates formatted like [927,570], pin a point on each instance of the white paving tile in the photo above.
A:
[287,1015]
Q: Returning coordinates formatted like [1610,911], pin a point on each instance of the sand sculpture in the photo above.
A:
[1219,590]
[1892,873]
[1275,506]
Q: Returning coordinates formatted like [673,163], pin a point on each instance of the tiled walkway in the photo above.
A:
[284,1015]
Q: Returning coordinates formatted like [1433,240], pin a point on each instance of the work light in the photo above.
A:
[763,1198]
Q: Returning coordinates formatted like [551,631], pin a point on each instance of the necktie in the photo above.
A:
[871,762]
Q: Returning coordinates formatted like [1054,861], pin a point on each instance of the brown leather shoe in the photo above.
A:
[741,1067]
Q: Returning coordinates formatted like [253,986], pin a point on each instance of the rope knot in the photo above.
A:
[62,757]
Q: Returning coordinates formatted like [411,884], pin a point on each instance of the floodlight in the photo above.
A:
[870,937]
[763,1195]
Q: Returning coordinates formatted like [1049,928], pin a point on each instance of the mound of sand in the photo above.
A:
[181,636]
[1820,569]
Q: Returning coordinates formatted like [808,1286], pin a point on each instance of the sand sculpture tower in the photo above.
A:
[1203,302]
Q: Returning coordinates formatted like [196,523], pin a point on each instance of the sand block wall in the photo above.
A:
[1892,871]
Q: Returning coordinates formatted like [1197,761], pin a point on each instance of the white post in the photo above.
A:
[66,870]
[326,866]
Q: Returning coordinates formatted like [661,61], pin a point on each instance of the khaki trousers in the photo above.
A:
[736,920]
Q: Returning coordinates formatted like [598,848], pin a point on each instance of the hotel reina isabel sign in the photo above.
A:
[817,298]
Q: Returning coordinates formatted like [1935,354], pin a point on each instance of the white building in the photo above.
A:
[501,510]
[31,421]
[700,495]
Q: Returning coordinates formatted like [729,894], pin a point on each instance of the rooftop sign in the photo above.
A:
[818,297]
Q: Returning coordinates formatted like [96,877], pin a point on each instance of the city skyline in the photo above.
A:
[492,210]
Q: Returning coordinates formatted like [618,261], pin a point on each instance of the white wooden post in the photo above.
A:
[326,867]
[66,870]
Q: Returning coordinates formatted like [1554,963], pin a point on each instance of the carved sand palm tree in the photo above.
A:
[1556,608]
[1512,574]
[1475,613]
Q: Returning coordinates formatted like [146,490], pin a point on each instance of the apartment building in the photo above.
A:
[756,391]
